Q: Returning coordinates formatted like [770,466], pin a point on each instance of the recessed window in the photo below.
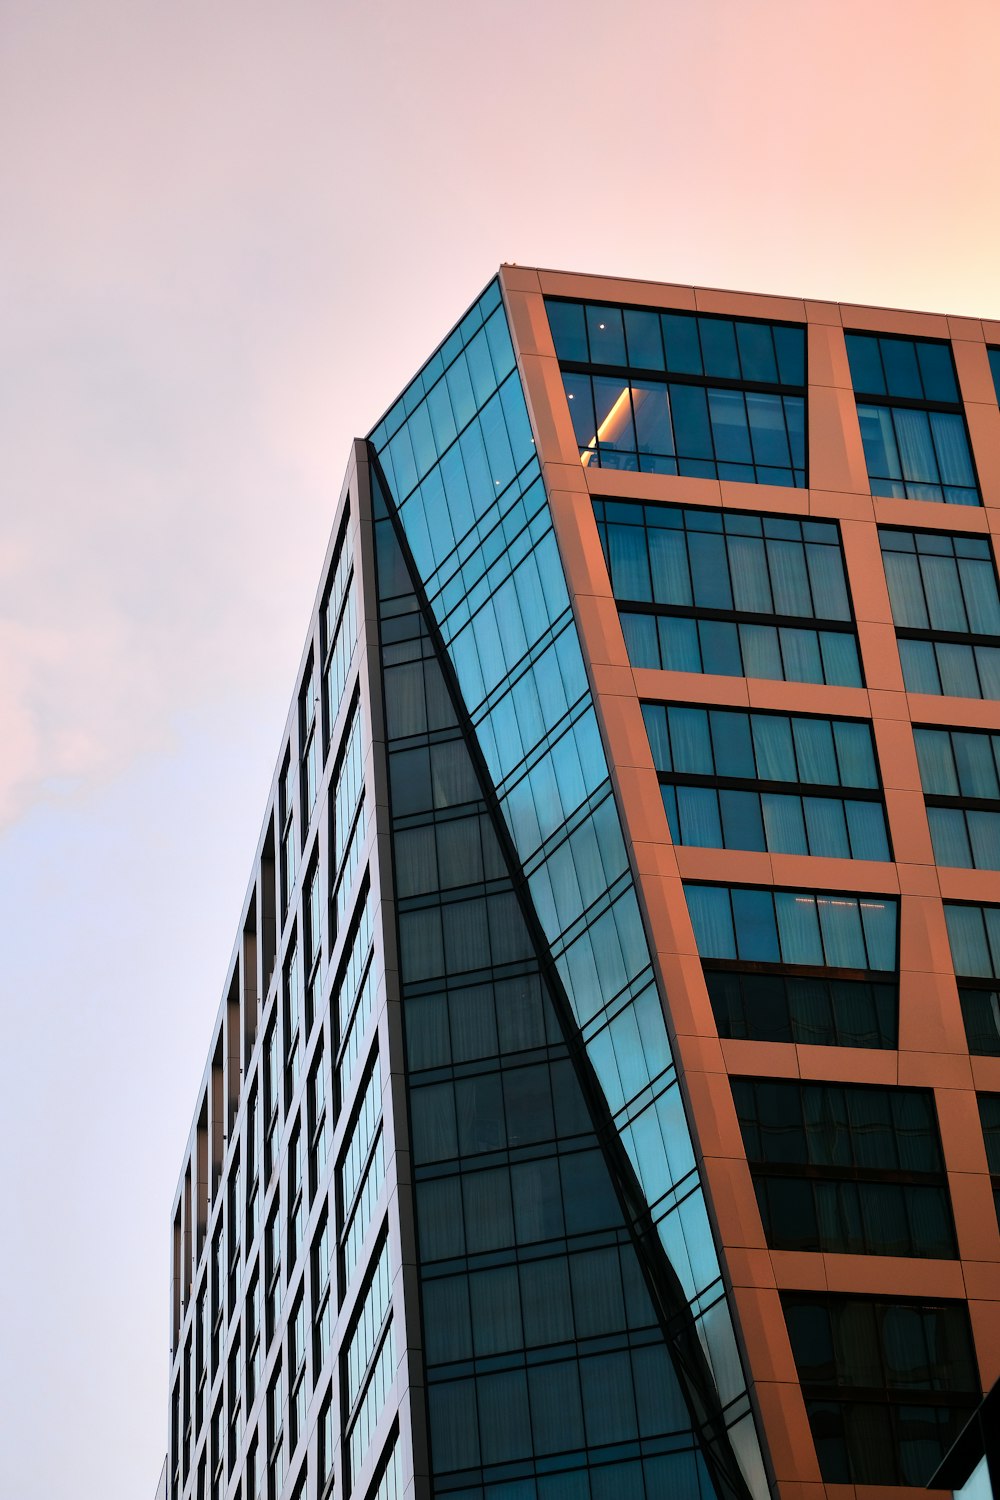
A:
[852,1170]
[888,1385]
[787,784]
[974,934]
[960,775]
[679,393]
[798,966]
[730,593]
[946,609]
[912,424]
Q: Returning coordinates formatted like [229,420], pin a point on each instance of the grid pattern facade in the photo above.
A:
[604,1098]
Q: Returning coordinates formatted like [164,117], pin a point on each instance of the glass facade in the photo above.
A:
[537,1124]
[848,1169]
[946,608]
[958,771]
[974,934]
[888,1384]
[916,445]
[520,734]
[674,393]
[727,593]
[797,966]
[994,357]
[732,780]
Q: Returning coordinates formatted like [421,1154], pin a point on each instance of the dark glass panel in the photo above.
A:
[756,348]
[645,345]
[718,345]
[454,1428]
[692,432]
[902,375]
[866,364]
[607,335]
[680,335]
[937,371]
[556,1410]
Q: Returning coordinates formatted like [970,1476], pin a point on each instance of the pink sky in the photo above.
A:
[231,232]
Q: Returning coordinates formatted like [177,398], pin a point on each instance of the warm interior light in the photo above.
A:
[610,427]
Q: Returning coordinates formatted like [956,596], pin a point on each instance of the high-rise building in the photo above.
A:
[604,1102]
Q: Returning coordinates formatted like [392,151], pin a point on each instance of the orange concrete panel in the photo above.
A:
[734,1202]
[986,1074]
[982,1279]
[880,655]
[549,410]
[932,514]
[641,800]
[749,305]
[930,1018]
[927,1070]
[663,896]
[836,455]
[730,866]
[863,557]
[847,1064]
[823,312]
[688,1008]
[587,288]
[972,713]
[798,1490]
[831,505]
[991,330]
[601,630]
[961,1131]
[612,682]
[626,732]
[827,357]
[579,543]
[700,1053]
[519,278]
[833,874]
[669,489]
[711,1101]
[529,324]
[923,938]
[807,698]
[789,1439]
[691,687]
[762,1059]
[746,1267]
[894,1276]
[652,858]
[984,434]
[966,328]
[908,828]
[969,885]
[886,705]
[763,1325]
[985,1320]
[918,880]
[799,1270]
[680,918]
[914,325]
[975,1217]
[897,755]
[740,495]
[975,378]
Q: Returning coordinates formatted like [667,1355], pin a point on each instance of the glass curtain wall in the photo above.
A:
[466,491]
